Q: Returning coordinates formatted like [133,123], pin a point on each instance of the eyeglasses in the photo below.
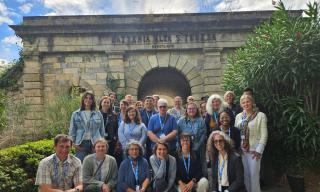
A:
[162,106]
[218,141]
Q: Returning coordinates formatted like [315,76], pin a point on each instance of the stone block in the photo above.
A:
[50,59]
[145,64]
[132,91]
[32,93]
[212,63]
[192,74]
[116,65]
[34,100]
[56,65]
[71,70]
[118,75]
[31,70]
[212,80]
[196,81]
[132,83]
[88,76]
[197,89]
[134,75]
[31,77]
[173,59]
[32,85]
[212,88]
[140,70]
[153,61]
[31,124]
[31,64]
[101,76]
[35,108]
[211,73]
[163,59]
[187,68]
[181,62]
[48,79]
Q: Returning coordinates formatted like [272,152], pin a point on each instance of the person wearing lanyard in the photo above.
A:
[134,172]
[123,107]
[146,114]
[193,124]
[228,128]
[132,128]
[177,111]
[60,171]
[227,168]
[100,170]
[163,127]
[254,135]
[214,106]
[189,173]
[86,126]
[164,168]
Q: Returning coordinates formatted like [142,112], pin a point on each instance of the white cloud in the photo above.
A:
[4,62]
[26,8]
[4,14]
[252,5]
[12,40]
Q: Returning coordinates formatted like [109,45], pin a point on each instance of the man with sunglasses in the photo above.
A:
[163,127]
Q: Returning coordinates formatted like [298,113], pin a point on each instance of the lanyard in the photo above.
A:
[135,171]
[187,167]
[229,132]
[220,168]
[65,168]
[158,162]
[148,115]
[215,116]
[131,129]
[244,119]
[162,124]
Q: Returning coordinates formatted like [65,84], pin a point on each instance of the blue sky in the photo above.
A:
[13,11]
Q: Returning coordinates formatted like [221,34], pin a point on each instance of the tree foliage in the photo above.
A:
[281,62]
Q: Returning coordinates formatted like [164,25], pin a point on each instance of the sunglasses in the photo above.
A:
[162,106]
[218,141]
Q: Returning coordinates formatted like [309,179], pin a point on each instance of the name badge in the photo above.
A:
[162,136]
[137,188]
[220,188]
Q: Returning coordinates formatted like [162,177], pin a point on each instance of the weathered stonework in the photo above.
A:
[83,50]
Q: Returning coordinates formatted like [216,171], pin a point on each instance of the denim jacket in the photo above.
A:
[78,127]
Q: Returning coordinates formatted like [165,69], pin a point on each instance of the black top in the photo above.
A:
[195,171]
[209,117]
[235,173]
[111,126]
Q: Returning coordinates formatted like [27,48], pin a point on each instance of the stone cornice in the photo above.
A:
[101,24]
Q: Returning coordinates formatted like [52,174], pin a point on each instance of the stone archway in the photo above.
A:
[166,82]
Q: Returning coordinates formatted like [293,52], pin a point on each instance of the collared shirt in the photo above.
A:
[58,174]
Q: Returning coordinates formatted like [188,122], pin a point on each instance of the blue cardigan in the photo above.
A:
[126,176]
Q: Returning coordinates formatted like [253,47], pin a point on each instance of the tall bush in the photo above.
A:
[58,113]
[281,62]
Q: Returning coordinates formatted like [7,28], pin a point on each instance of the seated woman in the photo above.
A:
[228,128]
[132,128]
[100,170]
[164,168]
[134,173]
[189,173]
[227,168]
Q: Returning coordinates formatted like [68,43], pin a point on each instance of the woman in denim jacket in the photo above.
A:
[86,126]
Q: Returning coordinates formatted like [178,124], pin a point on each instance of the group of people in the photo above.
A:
[159,149]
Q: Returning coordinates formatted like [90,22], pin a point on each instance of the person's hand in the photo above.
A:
[182,187]
[142,189]
[105,188]
[190,185]
[77,147]
[256,155]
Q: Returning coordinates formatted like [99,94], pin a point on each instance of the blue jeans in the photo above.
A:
[86,149]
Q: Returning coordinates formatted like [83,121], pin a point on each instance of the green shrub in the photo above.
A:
[281,62]
[18,165]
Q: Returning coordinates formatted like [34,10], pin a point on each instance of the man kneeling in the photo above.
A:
[61,171]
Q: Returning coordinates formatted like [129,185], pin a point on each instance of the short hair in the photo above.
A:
[227,93]
[177,97]
[148,97]
[62,138]
[162,101]
[133,142]
[197,113]
[112,93]
[93,106]
[248,89]
[157,96]
[101,140]
[160,143]
[124,102]
[137,119]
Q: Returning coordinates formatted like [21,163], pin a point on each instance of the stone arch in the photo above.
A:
[177,61]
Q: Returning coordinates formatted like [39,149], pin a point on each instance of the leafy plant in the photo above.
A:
[281,62]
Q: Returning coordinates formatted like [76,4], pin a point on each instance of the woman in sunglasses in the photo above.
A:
[227,168]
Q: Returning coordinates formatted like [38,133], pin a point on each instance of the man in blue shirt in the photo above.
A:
[163,127]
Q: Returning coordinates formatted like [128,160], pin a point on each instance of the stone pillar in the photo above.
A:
[33,92]
[116,67]
[212,71]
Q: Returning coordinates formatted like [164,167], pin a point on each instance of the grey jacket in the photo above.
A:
[160,171]
[109,169]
